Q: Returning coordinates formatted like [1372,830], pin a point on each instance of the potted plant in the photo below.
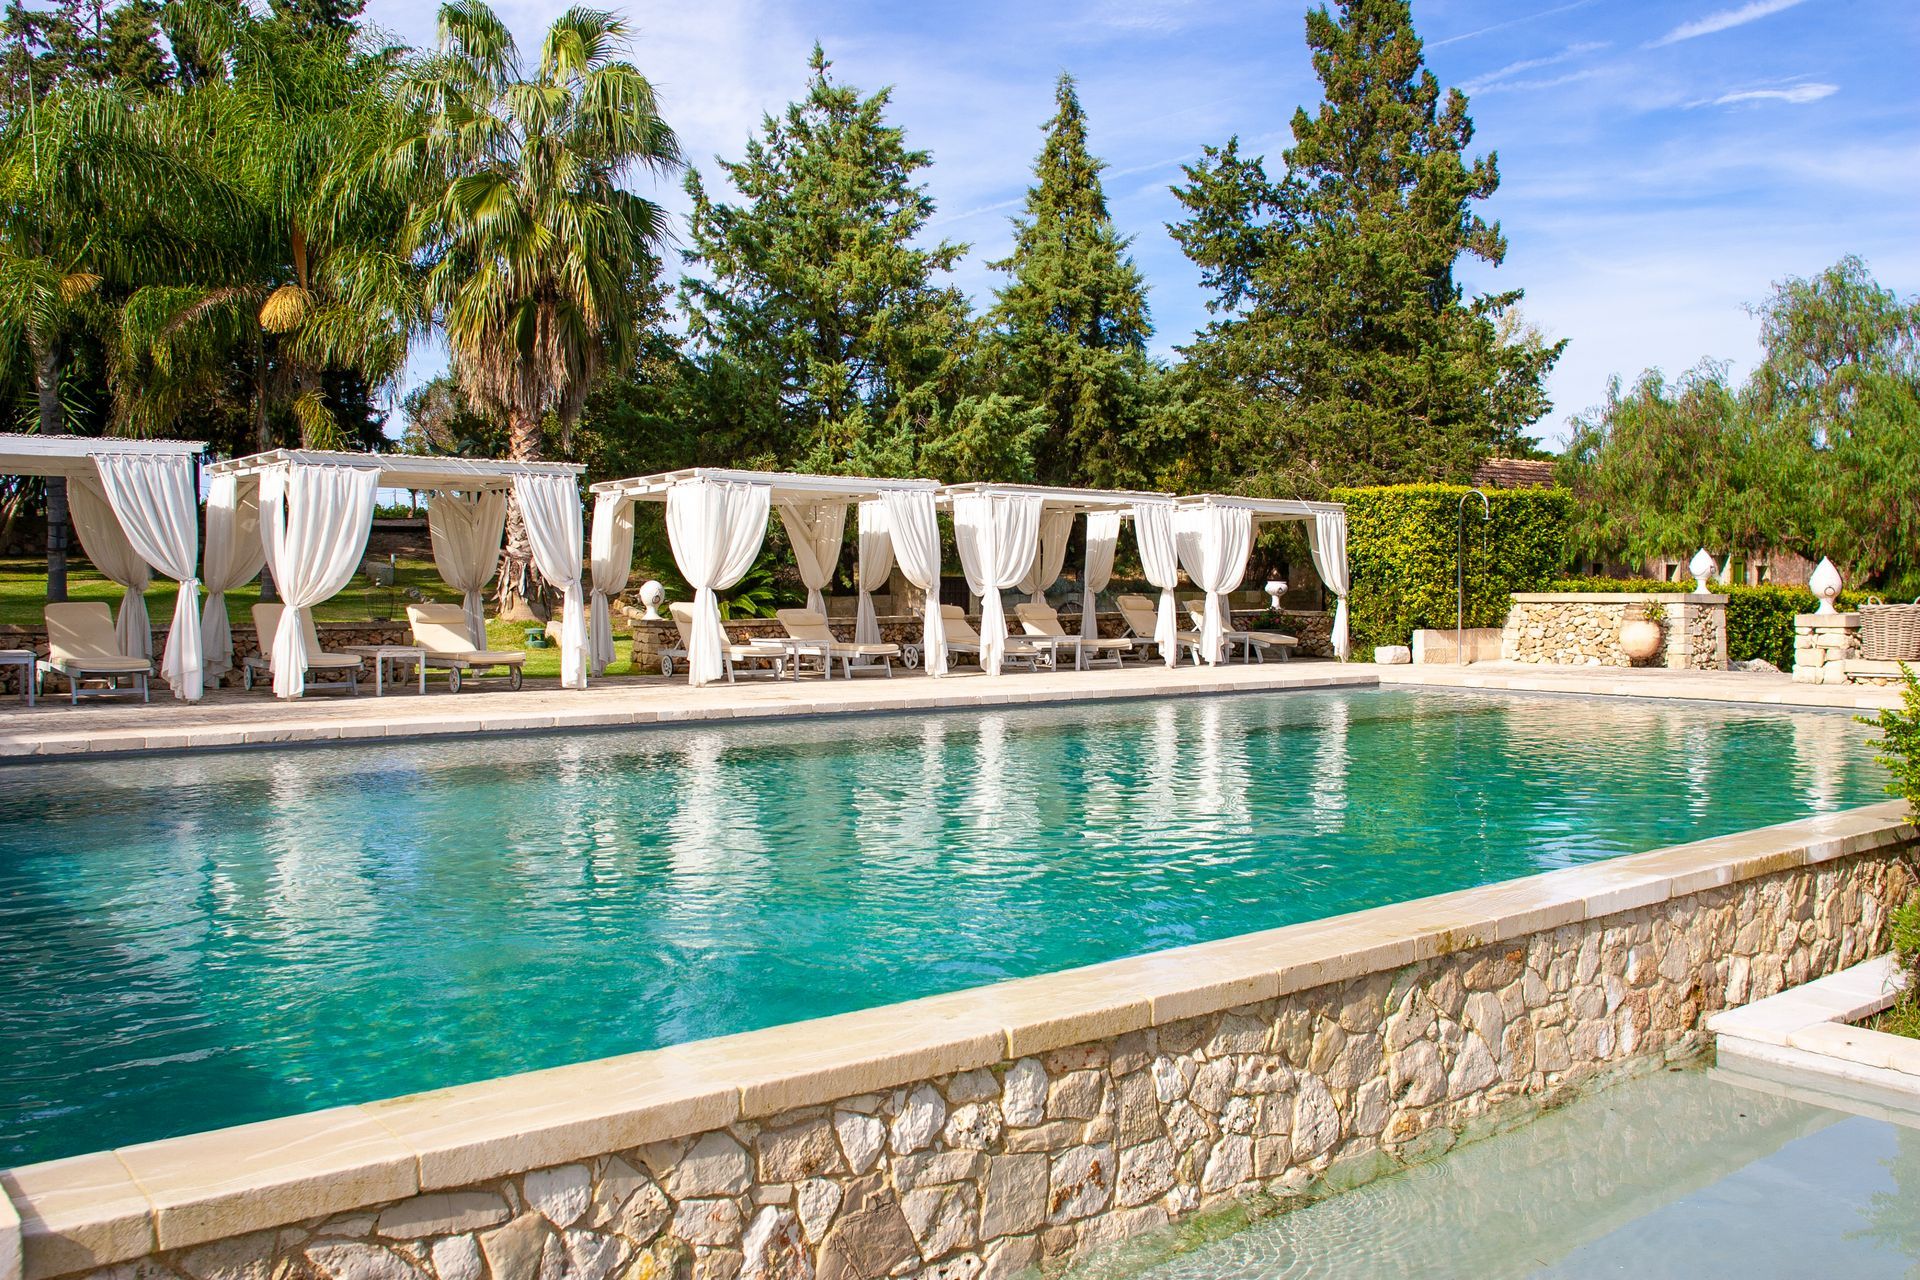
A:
[1642,636]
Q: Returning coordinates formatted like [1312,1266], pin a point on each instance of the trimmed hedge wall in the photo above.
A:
[1401,542]
[1759,618]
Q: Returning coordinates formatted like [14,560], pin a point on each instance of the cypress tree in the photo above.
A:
[1073,316]
[1350,352]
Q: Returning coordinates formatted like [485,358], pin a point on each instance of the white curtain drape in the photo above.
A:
[612,565]
[1160,561]
[1214,542]
[466,530]
[106,545]
[232,558]
[314,522]
[998,535]
[1103,535]
[1327,540]
[550,505]
[816,530]
[913,527]
[157,503]
[715,528]
[1050,556]
[875,550]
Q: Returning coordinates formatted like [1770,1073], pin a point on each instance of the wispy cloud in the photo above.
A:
[1568,54]
[1510,22]
[1797,94]
[1723,20]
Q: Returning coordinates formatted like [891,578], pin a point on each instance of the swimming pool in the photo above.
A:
[1762,1185]
[199,941]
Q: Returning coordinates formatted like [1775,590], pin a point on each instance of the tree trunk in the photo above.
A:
[522,593]
[262,441]
[46,385]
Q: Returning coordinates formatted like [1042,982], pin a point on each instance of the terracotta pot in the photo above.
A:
[1640,638]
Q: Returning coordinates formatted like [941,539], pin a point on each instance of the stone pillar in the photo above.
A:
[1696,632]
[1823,644]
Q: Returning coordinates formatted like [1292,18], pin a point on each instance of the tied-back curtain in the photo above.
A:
[106,545]
[998,535]
[1050,556]
[816,530]
[612,565]
[913,527]
[550,505]
[1103,535]
[875,551]
[1327,540]
[1214,542]
[1160,561]
[157,503]
[715,528]
[232,558]
[314,522]
[466,530]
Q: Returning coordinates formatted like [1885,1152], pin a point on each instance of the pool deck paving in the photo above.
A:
[229,719]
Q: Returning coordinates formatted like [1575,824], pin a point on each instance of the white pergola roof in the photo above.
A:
[1266,510]
[786,485]
[38,455]
[1061,497]
[404,470]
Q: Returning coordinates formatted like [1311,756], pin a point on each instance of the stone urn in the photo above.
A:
[1640,637]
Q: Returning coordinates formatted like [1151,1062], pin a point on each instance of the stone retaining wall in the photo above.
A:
[1583,629]
[1826,650]
[333,635]
[982,1133]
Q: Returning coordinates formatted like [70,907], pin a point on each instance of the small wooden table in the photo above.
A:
[25,659]
[391,655]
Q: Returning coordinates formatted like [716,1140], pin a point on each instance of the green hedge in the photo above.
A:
[1759,618]
[1401,542]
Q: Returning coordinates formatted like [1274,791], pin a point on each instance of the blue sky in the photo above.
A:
[1662,163]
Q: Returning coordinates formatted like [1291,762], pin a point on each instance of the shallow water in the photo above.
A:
[1673,1175]
[197,941]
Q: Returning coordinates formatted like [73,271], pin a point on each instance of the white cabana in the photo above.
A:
[1043,555]
[717,522]
[1214,534]
[135,505]
[315,510]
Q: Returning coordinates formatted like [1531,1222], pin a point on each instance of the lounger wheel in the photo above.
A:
[666,665]
[513,678]
[910,656]
[246,676]
[453,679]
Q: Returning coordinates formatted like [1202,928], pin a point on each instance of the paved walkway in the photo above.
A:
[232,718]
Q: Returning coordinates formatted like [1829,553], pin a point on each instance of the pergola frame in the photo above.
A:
[1326,542]
[403,470]
[785,486]
[1266,510]
[69,456]
[1060,497]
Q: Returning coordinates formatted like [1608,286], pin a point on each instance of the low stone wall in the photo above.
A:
[333,635]
[1583,629]
[1031,1123]
[1826,650]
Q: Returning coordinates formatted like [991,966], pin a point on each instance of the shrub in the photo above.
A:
[1401,543]
[1759,618]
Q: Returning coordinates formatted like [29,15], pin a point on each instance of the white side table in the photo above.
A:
[25,660]
[387,660]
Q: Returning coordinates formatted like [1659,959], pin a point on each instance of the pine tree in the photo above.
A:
[320,16]
[814,304]
[1073,317]
[135,58]
[1346,349]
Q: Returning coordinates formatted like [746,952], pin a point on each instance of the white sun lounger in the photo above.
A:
[811,629]
[82,645]
[1253,644]
[441,630]
[266,625]
[730,653]
[1044,631]
[1142,615]
[962,639]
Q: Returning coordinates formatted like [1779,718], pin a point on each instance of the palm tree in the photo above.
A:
[536,257]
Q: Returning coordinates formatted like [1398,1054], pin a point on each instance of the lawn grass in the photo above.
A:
[1902,1019]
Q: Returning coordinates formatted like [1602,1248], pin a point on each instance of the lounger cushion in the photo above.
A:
[481,658]
[102,664]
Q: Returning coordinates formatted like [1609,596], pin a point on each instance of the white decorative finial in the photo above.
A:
[1701,566]
[651,594]
[1275,589]
[1825,583]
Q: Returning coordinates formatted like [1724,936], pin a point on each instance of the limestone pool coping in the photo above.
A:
[1803,1036]
[113,1206]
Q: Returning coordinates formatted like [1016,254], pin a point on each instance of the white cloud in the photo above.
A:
[1511,22]
[1493,79]
[1723,20]
[1797,94]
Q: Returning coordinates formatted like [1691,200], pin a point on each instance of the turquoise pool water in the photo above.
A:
[1764,1185]
[191,942]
